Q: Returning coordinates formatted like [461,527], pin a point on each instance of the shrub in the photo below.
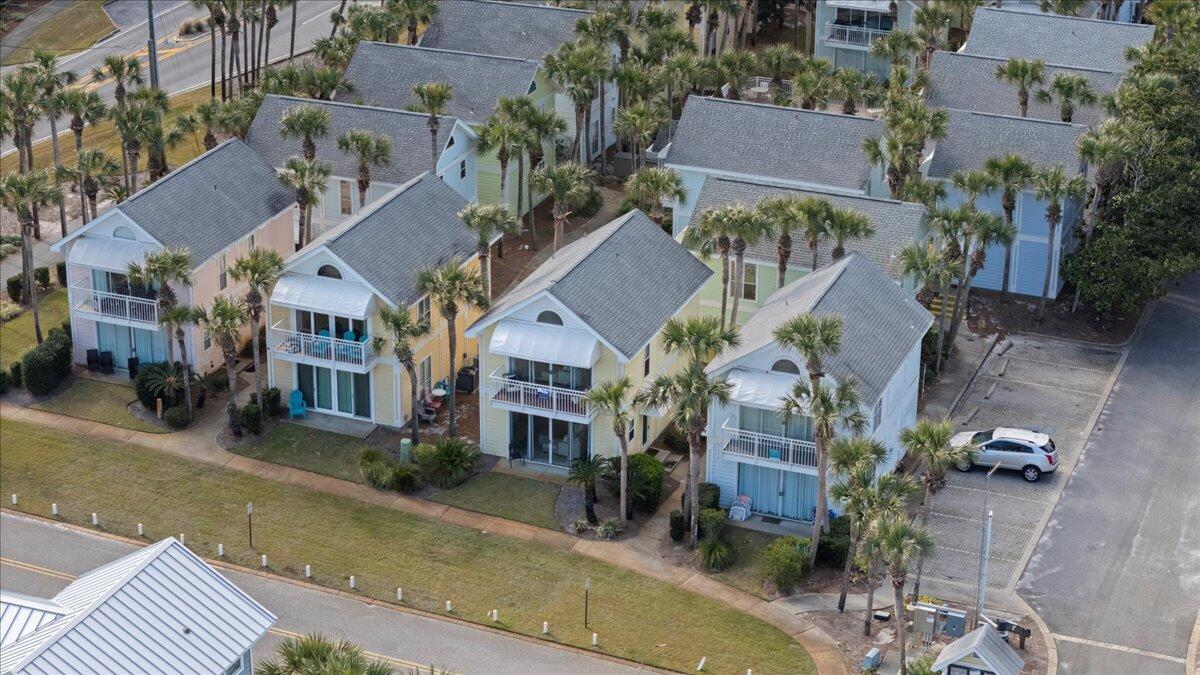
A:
[645,482]
[590,206]
[141,385]
[835,544]
[675,440]
[446,463]
[607,529]
[929,347]
[9,244]
[374,472]
[4,385]
[251,418]
[403,477]
[41,277]
[176,417]
[159,380]
[8,309]
[14,373]
[578,526]
[785,562]
[273,401]
[60,272]
[715,554]
[710,495]
[712,523]
[678,525]
[13,286]
[45,366]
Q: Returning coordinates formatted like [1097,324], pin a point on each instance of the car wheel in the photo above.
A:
[1031,473]
[964,465]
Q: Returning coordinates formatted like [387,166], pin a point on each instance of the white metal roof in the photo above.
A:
[323,294]
[544,342]
[21,615]
[161,609]
[985,644]
[104,253]
[759,389]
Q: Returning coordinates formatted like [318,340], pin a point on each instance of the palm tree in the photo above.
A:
[711,234]
[929,442]
[784,218]
[84,107]
[847,225]
[178,317]
[811,88]
[608,398]
[746,227]
[579,68]
[930,24]
[896,154]
[678,73]
[778,61]
[21,194]
[309,180]
[542,127]
[161,271]
[223,322]
[503,134]
[933,267]
[450,287]
[923,191]
[650,185]
[51,86]
[92,169]
[313,653]
[124,71]
[1052,186]
[369,150]
[603,29]
[568,184]
[980,230]
[735,67]
[1025,74]
[259,270]
[1069,90]
[1104,151]
[335,52]
[157,103]
[1011,174]
[403,329]
[690,391]
[910,118]
[413,13]
[517,108]
[308,123]
[586,472]
[433,97]
[133,123]
[899,543]
[897,47]
[639,123]
[21,111]
[814,215]
[1171,18]
[488,221]
[206,116]
[234,9]
[853,87]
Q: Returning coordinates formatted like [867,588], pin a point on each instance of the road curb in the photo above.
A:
[1047,636]
[1192,661]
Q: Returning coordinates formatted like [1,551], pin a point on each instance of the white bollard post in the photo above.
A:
[14,500]
[595,639]
[264,560]
[95,520]
[399,594]
[220,550]
[141,530]
[182,539]
[700,666]
[545,628]
[54,509]
[449,607]
[308,571]
[351,581]
[495,615]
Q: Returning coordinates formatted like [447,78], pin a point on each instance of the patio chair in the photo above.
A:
[321,345]
[93,360]
[426,414]
[296,405]
[429,401]
[132,364]
[106,363]
[517,452]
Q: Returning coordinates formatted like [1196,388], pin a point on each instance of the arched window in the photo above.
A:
[785,366]
[549,317]
[124,232]
[329,271]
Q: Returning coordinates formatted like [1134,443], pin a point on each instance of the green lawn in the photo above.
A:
[314,450]
[16,336]
[636,617]
[512,497]
[75,28]
[99,402]
[746,572]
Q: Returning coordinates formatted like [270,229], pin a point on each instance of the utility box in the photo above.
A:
[406,450]
[930,620]
[954,623]
[872,659]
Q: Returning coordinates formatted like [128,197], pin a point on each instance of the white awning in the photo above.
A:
[544,342]
[103,253]
[322,294]
[759,389]
[869,5]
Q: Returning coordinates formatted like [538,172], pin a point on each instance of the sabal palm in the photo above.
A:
[309,180]
[133,123]
[369,150]
[601,30]
[124,71]
[923,191]
[980,231]
[1105,151]
[84,107]
[933,267]
[402,329]
[897,47]
[259,270]
[880,502]
[1070,90]
[746,227]
[1052,186]
[432,99]
[413,13]
[778,61]
[503,134]
[92,168]
[488,221]
[678,73]
[314,654]
[811,89]
[1011,174]
[1025,74]
[579,67]
[518,108]
[930,24]
[610,398]
[853,87]
[735,68]
[973,184]
[223,322]
[896,154]
[180,316]
[650,185]
[452,287]
[568,184]
[163,270]
[543,126]
[586,472]
[929,441]
[52,84]
[22,194]
[206,116]
[847,225]
[21,95]
[900,542]
[639,123]
[307,123]
[784,218]
[814,218]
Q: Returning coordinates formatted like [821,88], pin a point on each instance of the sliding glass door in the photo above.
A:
[548,441]
[335,390]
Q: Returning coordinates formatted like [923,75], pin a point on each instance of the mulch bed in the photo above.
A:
[989,315]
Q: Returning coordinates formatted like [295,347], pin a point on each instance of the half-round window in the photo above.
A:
[329,271]
[124,232]
[785,366]
[550,318]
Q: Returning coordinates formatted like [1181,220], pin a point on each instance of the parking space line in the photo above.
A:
[1119,648]
[1061,365]
[1023,528]
[1043,385]
[975,554]
[993,492]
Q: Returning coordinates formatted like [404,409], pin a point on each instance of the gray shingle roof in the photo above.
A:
[503,28]
[969,82]
[210,202]
[414,227]
[775,142]
[384,74]
[409,133]
[881,322]
[973,137]
[1063,40]
[897,224]
[987,643]
[624,280]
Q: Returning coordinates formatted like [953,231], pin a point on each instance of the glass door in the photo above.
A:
[561,443]
[345,392]
[539,451]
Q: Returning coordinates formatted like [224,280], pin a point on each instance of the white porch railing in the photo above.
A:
[768,447]
[508,390]
[84,298]
[853,35]
[334,350]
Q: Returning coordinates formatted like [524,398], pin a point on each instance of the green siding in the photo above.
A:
[710,294]
[488,166]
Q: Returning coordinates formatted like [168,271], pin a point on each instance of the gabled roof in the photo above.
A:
[790,144]
[160,609]
[408,131]
[413,227]
[974,137]
[624,281]
[1053,38]
[968,81]
[210,202]
[985,643]
[525,31]
[897,224]
[21,615]
[881,322]
[384,74]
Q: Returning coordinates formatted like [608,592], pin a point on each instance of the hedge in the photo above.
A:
[41,277]
[13,285]
[60,272]
[46,365]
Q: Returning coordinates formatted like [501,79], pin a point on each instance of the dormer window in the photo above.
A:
[329,271]
[450,143]
[124,232]
[785,366]
[550,318]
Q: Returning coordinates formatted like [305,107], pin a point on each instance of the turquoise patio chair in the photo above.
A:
[296,405]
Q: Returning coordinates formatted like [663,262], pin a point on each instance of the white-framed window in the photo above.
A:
[632,427]
[347,197]
[425,310]
[462,170]
[207,341]
[646,362]
[425,374]
[749,284]
[222,272]
[645,430]
[550,317]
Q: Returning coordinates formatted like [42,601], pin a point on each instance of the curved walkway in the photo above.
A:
[638,553]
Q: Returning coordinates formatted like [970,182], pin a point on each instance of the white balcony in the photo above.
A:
[855,36]
[320,350]
[768,449]
[534,398]
[122,308]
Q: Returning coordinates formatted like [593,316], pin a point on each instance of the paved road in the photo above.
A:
[1116,574]
[396,635]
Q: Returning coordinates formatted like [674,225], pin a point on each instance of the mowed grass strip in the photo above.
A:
[73,29]
[636,617]
[512,497]
[310,449]
[17,336]
[98,401]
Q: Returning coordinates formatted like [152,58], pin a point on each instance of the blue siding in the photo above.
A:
[1031,216]
[992,273]
[1030,268]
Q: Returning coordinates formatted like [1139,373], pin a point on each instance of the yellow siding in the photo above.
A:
[285,379]
[383,394]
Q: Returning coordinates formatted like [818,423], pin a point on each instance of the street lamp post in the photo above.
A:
[985,541]
[587,587]
[250,522]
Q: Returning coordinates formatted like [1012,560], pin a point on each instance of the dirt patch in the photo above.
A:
[989,315]
[136,409]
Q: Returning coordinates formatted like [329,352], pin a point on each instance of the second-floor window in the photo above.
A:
[749,284]
[252,246]
[462,170]
[550,374]
[425,310]
[764,421]
[863,19]
[347,198]
[329,325]
[646,363]
[222,273]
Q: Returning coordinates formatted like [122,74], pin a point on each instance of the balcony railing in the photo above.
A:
[506,389]
[768,447]
[319,347]
[853,35]
[121,306]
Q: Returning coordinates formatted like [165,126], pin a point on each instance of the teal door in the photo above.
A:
[778,493]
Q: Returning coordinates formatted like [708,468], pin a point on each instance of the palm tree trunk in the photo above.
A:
[559,227]
[964,292]
[578,131]
[452,334]
[212,67]
[850,556]
[925,509]
[738,279]
[62,208]
[724,285]
[693,485]
[92,202]
[231,408]
[623,440]
[1007,271]
[870,598]
[308,228]
[292,44]
[813,248]
[414,398]
[1051,223]
[822,513]
[224,78]
[603,154]
[941,334]
[254,358]
[485,270]
[902,638]
[133,171]
[504,181]
[187,375]
[30,289]
[433,133]
[340,12]
[784,250]
[83,206]
[520,182]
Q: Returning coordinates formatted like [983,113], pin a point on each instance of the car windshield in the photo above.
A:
[982,436]
[1049,447]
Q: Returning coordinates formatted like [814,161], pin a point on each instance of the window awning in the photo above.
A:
[544,342]
[322,294]
[759,389]
[103,253]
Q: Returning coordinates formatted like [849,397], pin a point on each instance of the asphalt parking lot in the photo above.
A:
[1040,384]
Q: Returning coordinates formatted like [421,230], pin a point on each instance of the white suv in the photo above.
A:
[1029,452]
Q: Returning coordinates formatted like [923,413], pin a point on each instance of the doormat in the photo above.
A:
[771,521]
